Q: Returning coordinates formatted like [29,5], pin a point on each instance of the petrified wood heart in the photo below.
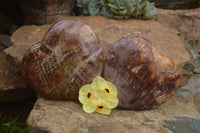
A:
[143,77]
[66,58]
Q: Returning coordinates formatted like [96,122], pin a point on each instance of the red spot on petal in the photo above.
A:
[107,90]
[89,95]
[100,106]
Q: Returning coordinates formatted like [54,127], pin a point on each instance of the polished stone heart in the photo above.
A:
[68,57]
[143,77]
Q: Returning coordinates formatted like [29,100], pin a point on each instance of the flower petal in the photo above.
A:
[111,87]
[86,93]
[97,82]
[111,101]
[89,107]
[100,96]
[103,109]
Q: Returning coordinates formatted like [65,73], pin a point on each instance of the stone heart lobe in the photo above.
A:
[67,57]
[143,77]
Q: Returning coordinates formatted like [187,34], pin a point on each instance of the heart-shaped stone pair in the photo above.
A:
[69,56]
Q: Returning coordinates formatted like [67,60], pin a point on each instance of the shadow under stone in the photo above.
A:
[183,125]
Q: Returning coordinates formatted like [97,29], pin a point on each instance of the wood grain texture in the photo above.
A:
[143,77]
[66,58]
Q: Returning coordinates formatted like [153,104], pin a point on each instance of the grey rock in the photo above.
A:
[184,125]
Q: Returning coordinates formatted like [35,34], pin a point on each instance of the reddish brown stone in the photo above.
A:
[68,57]
[143,77]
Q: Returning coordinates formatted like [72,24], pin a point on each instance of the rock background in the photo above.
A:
[186,22]
[45,11]
[12,88]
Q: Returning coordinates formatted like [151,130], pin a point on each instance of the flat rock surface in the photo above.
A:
[181,114]
[109,31]
[186,22]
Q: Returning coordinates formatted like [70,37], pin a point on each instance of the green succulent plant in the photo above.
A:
[117,8]
[195,55]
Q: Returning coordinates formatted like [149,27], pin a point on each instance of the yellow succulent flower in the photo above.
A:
[99,96]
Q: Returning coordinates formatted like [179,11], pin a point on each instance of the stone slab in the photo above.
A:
[178,115]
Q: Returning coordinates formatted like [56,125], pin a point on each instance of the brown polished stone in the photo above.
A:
[68,57]
[143,77]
